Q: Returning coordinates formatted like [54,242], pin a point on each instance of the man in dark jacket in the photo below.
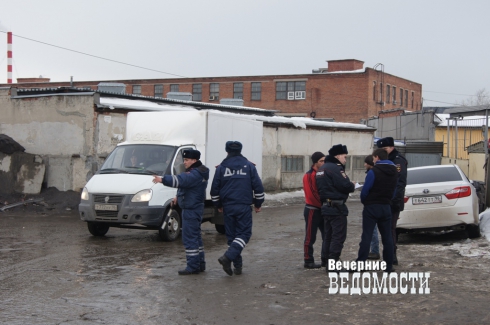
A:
[236,186]
[398,203]
[334,187]
[313,213]
[191,193]
[376,195]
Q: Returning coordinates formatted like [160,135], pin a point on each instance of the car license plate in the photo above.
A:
[427,199]
[107,207]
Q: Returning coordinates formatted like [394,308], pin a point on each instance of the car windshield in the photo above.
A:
[146,159]
[433,175]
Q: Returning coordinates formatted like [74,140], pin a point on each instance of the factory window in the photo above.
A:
[292,164]
[197,92]
[406,98]
[158,91]
[374,90]
[412,99]
[381,92]
[214,91]
[256,91]
[394,95]
[174,88]
[401,97]
[388,96]
[238,90]
[136,90]
[291,90]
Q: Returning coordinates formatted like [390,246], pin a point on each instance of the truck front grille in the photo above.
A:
[111,198]
[105,215]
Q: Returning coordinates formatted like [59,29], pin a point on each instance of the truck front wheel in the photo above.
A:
[220,228]
[97,229]
[172,230]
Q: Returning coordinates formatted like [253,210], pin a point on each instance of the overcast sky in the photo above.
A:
[442,44]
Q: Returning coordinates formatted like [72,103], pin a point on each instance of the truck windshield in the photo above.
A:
[139,159]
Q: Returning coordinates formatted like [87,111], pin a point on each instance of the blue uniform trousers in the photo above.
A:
[376,214]
[191,237]
[238,227]
[313,222]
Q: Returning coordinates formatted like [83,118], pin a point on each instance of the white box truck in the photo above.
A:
[121,194]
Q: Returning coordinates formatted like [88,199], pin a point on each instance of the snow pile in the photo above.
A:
[485,224]
[284,198]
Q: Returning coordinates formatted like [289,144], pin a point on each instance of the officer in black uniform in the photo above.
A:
[334,187]
[397,203]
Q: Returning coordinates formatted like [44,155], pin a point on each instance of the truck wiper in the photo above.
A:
[144,171]
[112,171]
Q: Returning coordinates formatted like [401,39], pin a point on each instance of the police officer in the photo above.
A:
[397,203]
[334,187]
[236,186]
[191,185]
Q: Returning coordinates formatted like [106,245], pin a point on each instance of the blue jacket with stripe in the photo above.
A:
[236,181]
[191,186]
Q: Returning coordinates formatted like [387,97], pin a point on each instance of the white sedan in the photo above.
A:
[439,198]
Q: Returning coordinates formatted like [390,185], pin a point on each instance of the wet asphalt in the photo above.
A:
[52,271]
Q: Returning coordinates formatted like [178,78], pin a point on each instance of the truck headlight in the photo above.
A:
[85,194]
[142,196]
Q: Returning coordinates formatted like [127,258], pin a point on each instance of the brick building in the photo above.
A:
[345,91]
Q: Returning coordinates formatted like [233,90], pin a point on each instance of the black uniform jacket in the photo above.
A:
[401,165]
[333,185]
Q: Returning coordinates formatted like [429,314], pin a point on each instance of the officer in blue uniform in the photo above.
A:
[334,187]
[236,186]
[191,193]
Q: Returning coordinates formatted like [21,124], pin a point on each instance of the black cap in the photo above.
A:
[317,156]
[385,142]
[192,154]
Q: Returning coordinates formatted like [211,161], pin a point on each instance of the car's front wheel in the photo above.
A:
[172,230]
[97,229]
[220,228]
[473,231]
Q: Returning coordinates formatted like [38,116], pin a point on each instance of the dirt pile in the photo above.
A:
[49,201]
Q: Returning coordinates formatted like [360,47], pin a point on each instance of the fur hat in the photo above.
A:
[338,149]
[233,146]
[192,154]
[317,156]
[385,142]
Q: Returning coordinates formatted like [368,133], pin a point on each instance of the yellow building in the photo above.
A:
[462,134]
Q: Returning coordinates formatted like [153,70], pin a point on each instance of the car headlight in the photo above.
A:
[85,194]
[142,196]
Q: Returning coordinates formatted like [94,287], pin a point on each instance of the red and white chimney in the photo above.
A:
[9,57]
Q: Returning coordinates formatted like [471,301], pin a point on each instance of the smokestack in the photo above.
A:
[9,57]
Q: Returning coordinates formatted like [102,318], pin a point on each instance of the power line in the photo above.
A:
[438,92]
[95,56]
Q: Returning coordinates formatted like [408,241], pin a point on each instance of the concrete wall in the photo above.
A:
[476,163]
[21,173]
[464,164]
[58,128]
[74,139]
[286,141]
